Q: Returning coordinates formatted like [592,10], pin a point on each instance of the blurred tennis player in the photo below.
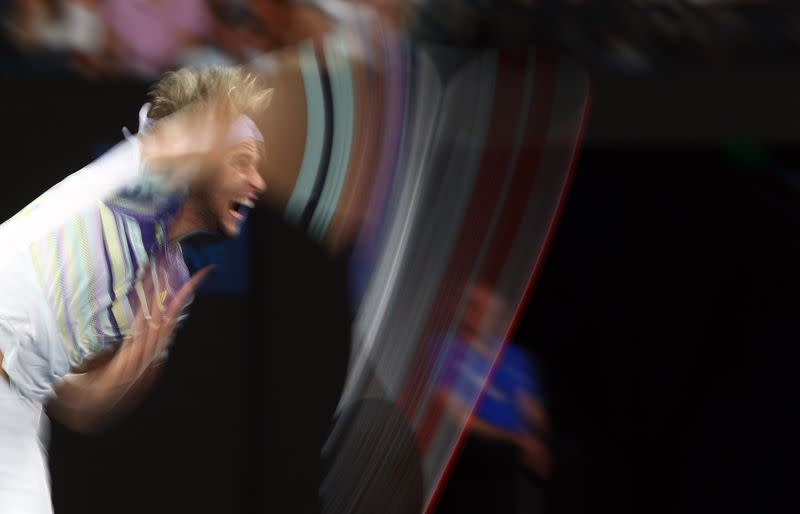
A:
[92,279]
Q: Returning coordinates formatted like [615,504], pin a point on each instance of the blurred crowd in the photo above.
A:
[631,36]
[636,36]
[114,37]
[146,37]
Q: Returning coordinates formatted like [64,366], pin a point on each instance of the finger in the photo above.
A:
[155,308]
[166,334]
[122,361]
[139,328]
[162,328]
[178,303]
[129,357]
[151,346]
[139,321]
[185,293]
[140,342]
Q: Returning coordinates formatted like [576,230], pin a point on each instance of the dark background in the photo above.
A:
[663,319]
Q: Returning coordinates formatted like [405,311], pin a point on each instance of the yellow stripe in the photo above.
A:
[55,286]
[156,282]
[117,260]
[121,315]
[114,249]
[84,307]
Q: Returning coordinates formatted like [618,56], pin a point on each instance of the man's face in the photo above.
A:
[484,313]
[233,189]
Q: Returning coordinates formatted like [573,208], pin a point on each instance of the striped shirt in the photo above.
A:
[93,269]
[97,267]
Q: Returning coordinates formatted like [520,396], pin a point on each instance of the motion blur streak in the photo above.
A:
[442,169]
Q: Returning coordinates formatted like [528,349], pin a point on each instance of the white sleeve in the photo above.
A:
[117,169]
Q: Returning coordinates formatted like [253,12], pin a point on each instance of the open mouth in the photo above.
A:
[240,207]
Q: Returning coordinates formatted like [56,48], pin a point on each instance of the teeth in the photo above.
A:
[247,202]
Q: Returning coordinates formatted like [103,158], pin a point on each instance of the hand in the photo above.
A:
[188,142]
[89,400]
[535,455]
[149,340]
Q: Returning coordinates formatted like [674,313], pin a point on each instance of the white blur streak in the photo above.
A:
[379,292]
[434,468]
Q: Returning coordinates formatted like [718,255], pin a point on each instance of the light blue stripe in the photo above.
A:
[83,280]
[138,249]
[100,275]
[122,224]
[315,133]
[343,97]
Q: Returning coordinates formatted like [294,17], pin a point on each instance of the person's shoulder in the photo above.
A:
[519,357]
[514,351]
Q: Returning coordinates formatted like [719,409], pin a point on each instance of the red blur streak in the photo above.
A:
[538,123]
[537,126]
[486,192]
[431,507]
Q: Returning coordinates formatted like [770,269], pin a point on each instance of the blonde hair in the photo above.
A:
[188,86]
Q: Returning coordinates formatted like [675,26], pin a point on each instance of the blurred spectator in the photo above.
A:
[505,452]
[148,36]
[290,22]
[60,35]
[68,25]
[238,36]
[248,31]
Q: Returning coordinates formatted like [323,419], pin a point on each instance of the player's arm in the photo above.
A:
[112,383]
[81,405]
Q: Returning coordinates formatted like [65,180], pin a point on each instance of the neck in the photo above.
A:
[186,221]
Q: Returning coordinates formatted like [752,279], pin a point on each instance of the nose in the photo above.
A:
[257,182]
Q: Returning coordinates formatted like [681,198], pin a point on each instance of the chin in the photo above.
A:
[230,232]
[230,223]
